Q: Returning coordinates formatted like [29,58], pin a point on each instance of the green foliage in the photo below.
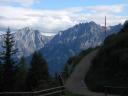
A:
[21,75]
[38,73]
[7,61]
[1,77]
[110,67]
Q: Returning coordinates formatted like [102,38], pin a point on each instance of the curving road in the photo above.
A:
[75,83]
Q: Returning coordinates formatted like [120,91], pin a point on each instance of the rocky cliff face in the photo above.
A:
[71,41]
[28,40]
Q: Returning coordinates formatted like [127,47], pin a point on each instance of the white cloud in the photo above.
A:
[57,20]
[47,20]
[107,9]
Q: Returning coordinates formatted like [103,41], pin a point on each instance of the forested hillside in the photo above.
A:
[110,67]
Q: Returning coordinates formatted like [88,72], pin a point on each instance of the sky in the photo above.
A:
[52,16]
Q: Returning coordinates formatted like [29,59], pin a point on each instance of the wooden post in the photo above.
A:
[106,91]
[62,83]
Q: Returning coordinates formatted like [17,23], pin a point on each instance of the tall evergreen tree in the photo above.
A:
[1,77]
[7,60]
[21,75]
[38,73]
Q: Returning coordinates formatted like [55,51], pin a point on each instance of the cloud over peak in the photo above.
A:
[57,20]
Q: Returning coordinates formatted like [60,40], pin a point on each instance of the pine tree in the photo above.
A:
[1,77]
[21,75]
[38,73]
[7,60]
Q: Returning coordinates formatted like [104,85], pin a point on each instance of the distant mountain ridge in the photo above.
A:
[28,40]
[65,44]
[73,40]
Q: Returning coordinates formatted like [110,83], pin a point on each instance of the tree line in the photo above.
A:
[19,75]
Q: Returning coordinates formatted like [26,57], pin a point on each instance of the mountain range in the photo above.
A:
[56,50]
[73,40]
[28,40]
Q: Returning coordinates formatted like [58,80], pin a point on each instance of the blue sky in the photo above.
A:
[52,16]
[59,4]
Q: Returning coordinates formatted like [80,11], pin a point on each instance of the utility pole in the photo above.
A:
[105,29]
